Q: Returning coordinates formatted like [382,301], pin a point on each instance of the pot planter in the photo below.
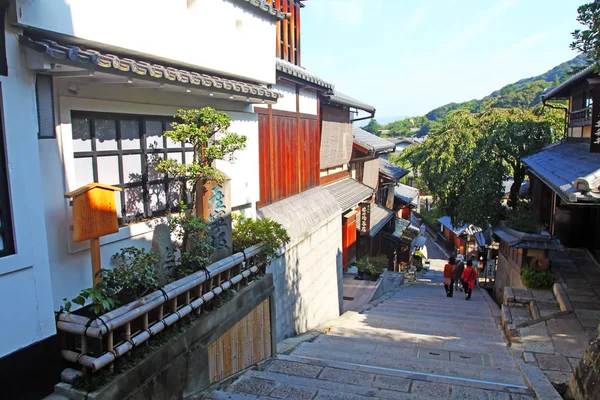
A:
[374,277]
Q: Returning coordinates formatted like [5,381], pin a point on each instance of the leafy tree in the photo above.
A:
[205,130]
[373,126]
[587,41]
[467,157]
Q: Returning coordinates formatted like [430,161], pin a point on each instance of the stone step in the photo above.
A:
[431,313]
[419,359]
[294,369]
[220,395]
[55,396]
[372,345]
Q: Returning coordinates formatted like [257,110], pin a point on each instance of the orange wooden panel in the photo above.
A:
[94,214]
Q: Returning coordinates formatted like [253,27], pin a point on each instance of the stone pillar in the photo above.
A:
[162,245]
[214,205]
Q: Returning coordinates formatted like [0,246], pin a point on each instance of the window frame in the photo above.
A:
[143,151]
[6,214]
[66,104]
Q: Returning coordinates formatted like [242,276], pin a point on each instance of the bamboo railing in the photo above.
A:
[95,343]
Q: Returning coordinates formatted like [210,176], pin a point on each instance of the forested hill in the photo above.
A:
[523,93]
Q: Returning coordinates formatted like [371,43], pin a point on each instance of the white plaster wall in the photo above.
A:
[71,266]
[308,280]
[308,102]
[215,35]
[25,286]
[288,101]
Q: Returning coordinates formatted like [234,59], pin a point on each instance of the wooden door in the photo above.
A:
[348,240]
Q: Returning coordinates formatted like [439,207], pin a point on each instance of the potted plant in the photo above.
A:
[363,267]
[371,266]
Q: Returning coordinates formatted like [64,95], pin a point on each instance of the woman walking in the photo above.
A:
[449,276]
[469,276]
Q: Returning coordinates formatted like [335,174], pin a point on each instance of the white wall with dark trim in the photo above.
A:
[25,286]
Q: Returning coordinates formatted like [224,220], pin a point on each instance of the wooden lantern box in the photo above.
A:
[94,215]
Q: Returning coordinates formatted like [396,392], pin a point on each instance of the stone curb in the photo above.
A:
[562,297]
[538,382]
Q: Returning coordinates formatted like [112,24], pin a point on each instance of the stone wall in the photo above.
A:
[585,381]
[308,279]
[507,274]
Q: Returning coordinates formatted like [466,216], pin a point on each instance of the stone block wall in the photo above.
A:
[308,279]
[507,274]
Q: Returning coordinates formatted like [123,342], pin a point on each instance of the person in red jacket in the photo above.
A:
[469,276]
[449,276]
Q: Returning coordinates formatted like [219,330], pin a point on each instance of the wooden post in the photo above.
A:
[96,265]
[94,215]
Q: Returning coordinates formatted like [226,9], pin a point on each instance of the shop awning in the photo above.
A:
[93,60]
[379,217]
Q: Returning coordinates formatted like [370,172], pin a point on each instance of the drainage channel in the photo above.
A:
[456,378]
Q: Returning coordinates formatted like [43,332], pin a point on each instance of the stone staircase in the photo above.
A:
[417,344]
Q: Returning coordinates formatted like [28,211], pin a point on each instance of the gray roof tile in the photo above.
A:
[349,192]
[458,230]
[379,217]
[372,142]
[406,193]
[265,7]
[556,90]
[301,73]
[561,164]
[343,99]
[92,59]
[391,170]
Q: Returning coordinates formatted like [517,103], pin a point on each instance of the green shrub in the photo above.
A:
[537,279]
[248,232]
[431,218]
[373,265]
[133,277]
[193,241]
[522,219]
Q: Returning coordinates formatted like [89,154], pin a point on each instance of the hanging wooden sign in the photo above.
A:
[364,226]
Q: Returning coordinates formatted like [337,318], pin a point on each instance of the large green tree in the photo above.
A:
[587,41]
[373,126]
[467,156]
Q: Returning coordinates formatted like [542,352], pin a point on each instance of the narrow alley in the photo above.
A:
[415,344]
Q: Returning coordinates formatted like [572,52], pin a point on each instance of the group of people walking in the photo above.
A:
[457,274]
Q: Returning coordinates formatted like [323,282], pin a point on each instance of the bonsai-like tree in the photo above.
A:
[206,131]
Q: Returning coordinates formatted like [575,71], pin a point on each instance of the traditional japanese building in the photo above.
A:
[565,176]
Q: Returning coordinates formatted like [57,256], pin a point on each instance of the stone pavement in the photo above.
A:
[415,344]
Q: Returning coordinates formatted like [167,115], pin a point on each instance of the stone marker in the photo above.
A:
[163,246]
[215,208]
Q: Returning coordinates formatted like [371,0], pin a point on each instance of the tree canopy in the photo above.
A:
[373,126]
[587,41]
[468,156]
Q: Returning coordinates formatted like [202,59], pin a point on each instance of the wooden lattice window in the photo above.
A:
[121,150]
[288,31]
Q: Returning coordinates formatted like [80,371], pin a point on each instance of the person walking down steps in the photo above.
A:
[449,276]
[469,277]
[458,270]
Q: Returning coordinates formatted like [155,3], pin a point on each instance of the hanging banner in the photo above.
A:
[364,226]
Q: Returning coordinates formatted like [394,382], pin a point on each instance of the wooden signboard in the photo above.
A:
[595,136]
[364,226]
[94,211]
[94,215]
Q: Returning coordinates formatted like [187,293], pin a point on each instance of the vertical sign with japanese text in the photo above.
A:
[595,136]
[364,226]
[216,210]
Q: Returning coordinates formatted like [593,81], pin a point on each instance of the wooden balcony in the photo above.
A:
[581,117]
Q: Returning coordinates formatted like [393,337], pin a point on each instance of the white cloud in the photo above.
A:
[515,48]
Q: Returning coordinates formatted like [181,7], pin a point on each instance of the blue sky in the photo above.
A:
[408,57]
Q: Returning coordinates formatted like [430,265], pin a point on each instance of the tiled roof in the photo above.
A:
[406,193]
[349,192]
[379,217]
[92,59]
[341,98]
[561,165]
[405,231]
[264,6]
[299,214]
[458,230]
[391,170]
[301,73]
[556,90]
[545,243]
[371,142]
